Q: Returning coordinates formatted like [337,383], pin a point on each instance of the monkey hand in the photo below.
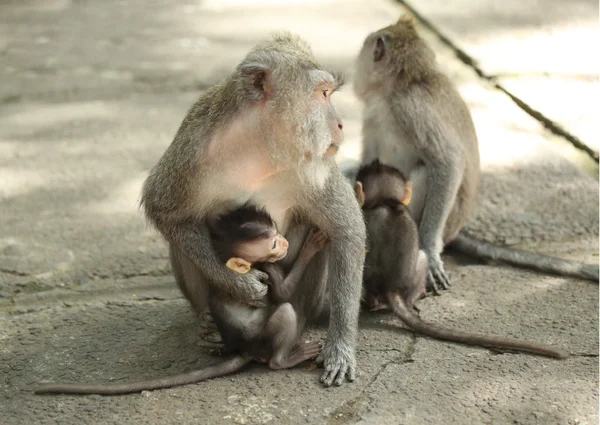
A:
[314,242]
[252,290]
[339,362]
[437,279]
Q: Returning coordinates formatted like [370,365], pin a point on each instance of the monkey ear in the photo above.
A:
[238,265]
[379,49]
[360,193]
[256,81]
[407,193]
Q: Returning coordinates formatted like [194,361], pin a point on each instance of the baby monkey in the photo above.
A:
[395,272]
[244,238]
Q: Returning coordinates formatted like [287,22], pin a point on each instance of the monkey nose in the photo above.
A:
[340,126]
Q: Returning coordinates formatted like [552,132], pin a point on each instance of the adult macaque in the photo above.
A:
[416,121]
[396,270]
[260,135]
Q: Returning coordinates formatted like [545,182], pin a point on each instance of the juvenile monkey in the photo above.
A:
[243,238]
[415,120]
[396,270]
[246,238]
[259,135]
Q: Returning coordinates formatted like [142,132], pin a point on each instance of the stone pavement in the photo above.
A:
[92,92]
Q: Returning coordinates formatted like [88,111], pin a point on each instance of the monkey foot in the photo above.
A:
[339,363]
[214,337]
[437,279]
[219,351]
[376,302]
[308,350]
[207,317]
[303,351]
[379,303]
[211,345]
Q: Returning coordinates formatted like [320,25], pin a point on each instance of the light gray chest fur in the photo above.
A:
[387,138]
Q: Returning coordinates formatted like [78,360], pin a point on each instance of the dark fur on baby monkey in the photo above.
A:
[395,270]
[244,238]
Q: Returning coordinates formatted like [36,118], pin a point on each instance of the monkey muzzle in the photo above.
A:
[332,149]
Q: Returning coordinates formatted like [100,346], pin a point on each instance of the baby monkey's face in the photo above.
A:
[264,250]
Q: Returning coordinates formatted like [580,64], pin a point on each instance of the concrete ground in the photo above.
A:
[92,92]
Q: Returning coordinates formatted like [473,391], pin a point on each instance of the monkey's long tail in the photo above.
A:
[416,323]
[224,368]
[470,245]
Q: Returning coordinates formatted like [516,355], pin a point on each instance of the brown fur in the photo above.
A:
[416,121]
[395,270]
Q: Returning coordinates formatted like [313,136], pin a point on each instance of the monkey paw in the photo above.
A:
[315,241]
[339,362]
[437,279]
[253,291]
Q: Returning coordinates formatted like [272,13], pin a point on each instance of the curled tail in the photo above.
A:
[224,368]
[478,248]
[416,323]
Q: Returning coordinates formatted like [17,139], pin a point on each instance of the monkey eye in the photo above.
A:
[274,244]
[325,93]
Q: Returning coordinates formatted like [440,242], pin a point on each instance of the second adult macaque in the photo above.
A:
[396,269]
[416,121]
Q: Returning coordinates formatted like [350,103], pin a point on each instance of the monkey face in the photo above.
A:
[331,118]
[322,127]
[278,248]
[263,250]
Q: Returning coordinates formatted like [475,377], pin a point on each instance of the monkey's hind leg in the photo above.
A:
[282,328]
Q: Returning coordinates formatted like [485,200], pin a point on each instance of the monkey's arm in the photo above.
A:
[443,181]
[282,289]
[169,206]
[194,240]
[336,212]
[276,282]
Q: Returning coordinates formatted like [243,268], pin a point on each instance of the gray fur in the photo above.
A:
[416,121]
[185,188]
[396,270]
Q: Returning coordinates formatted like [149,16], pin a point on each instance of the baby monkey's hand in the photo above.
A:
[314,242]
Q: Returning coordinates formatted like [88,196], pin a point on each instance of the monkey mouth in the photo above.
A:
[278,257]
